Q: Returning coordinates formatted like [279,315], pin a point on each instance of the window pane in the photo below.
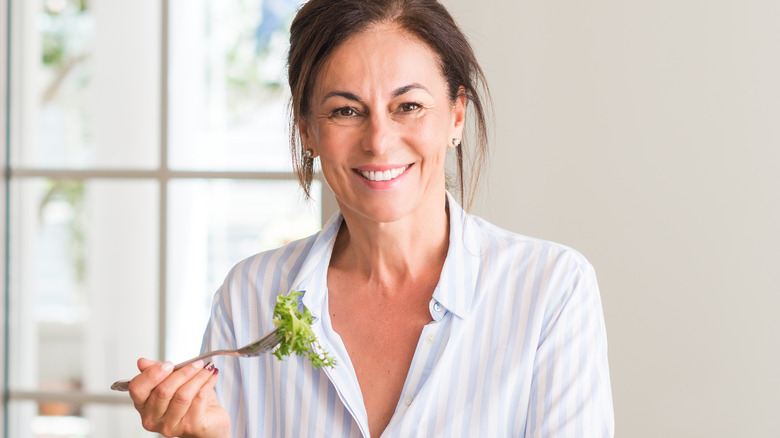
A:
[86,81]
[29,419]
[227,89]
[213,224]
[84,282]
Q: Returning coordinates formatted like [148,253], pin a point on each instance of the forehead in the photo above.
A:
[382,56]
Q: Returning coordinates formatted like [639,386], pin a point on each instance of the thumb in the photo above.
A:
[144,363]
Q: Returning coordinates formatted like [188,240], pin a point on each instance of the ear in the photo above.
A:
[458,114]
[307,137]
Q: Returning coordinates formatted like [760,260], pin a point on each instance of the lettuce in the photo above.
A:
[294,330]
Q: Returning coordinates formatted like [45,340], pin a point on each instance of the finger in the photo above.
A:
[144,363]
[202,413]
[186,406]
[152,373]
[157,404]
[207,396]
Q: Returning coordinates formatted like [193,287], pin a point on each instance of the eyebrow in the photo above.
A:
[408,88]
[344,94]
[397,92]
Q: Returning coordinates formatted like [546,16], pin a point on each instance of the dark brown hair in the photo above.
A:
[321,26]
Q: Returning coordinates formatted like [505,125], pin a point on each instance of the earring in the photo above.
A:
[308,153]
[455,142]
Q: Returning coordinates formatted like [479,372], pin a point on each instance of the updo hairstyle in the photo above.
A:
[321,26]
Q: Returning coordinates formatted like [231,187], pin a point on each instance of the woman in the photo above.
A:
[441,324]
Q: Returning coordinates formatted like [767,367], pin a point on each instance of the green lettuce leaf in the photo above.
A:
[294,328]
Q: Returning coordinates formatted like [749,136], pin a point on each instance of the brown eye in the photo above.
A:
[409,107]
[345,112]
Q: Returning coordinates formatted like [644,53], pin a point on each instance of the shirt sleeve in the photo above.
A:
[220,335]
[570,392]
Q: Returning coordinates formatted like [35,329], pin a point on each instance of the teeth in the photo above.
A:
[386,175]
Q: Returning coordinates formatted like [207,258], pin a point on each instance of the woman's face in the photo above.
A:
[381,121]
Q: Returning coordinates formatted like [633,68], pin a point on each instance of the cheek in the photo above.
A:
[337,148]
[331,140]
[429,138]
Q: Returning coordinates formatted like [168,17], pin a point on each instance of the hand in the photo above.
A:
[179,403]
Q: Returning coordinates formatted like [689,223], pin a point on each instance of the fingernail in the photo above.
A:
[198,364]
[209,366]
[167,367]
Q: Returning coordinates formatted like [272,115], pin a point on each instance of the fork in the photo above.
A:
[260,346]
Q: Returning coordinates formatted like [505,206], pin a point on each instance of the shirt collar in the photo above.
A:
[456,285]
[312,277]
[458,280]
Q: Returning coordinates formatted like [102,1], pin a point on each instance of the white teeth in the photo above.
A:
[386,175]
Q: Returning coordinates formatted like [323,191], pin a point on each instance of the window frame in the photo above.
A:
[162,176]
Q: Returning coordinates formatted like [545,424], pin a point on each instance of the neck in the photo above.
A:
[386,254]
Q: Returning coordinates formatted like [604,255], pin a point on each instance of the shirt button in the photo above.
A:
[437,306]
[430,339]
[408,401]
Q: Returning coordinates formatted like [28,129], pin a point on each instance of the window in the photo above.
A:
[148,154]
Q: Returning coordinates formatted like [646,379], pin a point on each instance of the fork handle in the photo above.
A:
[123,385]
[203,356]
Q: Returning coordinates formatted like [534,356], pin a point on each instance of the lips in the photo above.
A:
[382,175]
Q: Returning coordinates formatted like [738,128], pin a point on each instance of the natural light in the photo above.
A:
[149,154]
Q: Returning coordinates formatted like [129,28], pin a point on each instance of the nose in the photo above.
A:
[379,135]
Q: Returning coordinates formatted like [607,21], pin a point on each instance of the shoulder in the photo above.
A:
[276,265]
[242,307]
[258,279]
[497,242]
[547,273]
[551,278]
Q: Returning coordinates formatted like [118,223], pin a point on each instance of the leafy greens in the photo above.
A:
[294,329]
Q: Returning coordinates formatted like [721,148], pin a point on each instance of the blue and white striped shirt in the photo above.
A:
[517,345]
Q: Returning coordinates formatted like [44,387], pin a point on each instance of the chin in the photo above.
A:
[377,210]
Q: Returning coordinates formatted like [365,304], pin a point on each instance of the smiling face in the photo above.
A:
[380,119]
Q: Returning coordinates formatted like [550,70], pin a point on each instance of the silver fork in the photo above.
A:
[260,346]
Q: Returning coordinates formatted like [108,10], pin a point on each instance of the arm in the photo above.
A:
[219,334]
[570,392]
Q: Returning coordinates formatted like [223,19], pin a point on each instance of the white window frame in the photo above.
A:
[162,176]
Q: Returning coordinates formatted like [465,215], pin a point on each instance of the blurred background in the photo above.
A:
[148,154]
[146,149]
[646,134]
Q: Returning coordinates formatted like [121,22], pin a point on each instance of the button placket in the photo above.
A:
[418,372]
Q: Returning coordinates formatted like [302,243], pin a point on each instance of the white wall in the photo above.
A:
[646,134]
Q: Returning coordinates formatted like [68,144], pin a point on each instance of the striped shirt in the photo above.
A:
[517,345]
